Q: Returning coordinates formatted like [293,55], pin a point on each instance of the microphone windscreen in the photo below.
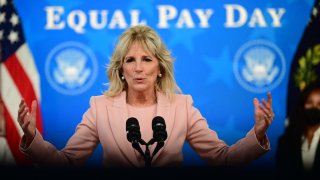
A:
[158,121]
[133,130]
[132,122]
[159,129]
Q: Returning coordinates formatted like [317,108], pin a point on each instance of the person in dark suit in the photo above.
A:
[299,147]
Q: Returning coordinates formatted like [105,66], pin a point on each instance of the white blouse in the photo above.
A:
[309,154]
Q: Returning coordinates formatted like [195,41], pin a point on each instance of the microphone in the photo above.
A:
[133,130]
[159,133]
[159,129]
[133,134]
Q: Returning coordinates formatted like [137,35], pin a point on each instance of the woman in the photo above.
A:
[142,86]
[299,147]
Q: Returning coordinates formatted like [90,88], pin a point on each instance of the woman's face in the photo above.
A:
[140,69]
[313,100]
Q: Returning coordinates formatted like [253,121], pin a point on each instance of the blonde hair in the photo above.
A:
[151,41]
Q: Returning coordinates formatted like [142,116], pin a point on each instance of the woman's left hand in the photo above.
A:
[263,115]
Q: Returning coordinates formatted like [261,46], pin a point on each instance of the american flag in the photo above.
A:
[19,79]
[309,39]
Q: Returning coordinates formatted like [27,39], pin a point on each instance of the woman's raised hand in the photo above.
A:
[27,119]
[263,115]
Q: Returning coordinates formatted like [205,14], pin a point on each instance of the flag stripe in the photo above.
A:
[26,60]
[23,84]
[13,138]
[10,96]
[20,79]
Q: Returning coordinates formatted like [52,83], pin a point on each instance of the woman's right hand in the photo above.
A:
[27,120]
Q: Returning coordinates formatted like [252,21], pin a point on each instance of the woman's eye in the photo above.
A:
[129,60]
[147,59]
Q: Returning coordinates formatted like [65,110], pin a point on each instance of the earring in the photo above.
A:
[160,75]
[122,77]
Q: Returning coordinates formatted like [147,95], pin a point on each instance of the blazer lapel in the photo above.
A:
[166,110]
[117,120]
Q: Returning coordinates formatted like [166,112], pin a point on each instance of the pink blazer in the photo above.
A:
[105,122]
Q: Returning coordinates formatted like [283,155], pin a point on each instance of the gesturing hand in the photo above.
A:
[263,115]
[27,119]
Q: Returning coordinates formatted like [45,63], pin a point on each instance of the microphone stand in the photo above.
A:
[137,147]
[158,147]
[147,155]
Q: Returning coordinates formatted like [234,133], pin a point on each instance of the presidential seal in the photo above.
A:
[71,68]
[259,66]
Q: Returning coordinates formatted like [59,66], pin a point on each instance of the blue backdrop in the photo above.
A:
[226,53]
